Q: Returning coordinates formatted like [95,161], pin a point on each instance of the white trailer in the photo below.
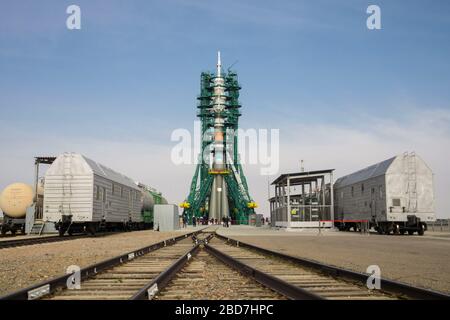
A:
[395,195]
[80,193]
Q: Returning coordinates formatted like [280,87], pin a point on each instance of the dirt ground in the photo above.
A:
[422,261]
[23,266]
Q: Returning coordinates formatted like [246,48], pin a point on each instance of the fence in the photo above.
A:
[439,225]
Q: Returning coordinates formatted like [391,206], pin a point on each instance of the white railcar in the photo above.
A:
[80,193]
[395,195]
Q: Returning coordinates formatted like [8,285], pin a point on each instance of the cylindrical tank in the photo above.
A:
[147,201]
[15,199]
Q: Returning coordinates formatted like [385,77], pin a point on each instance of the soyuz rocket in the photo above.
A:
[218,202]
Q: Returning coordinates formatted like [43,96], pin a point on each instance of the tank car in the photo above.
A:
[15,199]
[150,197]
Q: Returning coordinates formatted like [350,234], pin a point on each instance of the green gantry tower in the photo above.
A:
[219,188]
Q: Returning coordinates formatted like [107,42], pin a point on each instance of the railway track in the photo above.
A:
[204,265]
[46,239]
[206,277]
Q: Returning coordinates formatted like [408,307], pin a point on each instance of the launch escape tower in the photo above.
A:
[219,188]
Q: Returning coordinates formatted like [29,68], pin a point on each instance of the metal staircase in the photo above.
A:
[37,228]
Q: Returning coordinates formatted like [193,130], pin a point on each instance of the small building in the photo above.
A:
[303,200]
[166,217]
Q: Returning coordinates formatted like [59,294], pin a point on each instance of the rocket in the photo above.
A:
[218,202]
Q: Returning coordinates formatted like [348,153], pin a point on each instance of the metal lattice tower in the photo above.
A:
[219,188]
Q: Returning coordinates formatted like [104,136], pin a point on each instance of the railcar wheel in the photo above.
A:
[421,231]
[396,229]
[91,229]
[410,232]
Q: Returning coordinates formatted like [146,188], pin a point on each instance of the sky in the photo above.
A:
[342,96]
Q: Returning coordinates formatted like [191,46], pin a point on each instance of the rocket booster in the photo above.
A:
[218,205]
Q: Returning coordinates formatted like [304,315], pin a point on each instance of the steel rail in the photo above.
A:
[286,289]
[161,281]
[50,286]
[392,287]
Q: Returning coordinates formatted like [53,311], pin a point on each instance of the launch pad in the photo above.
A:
[219,188]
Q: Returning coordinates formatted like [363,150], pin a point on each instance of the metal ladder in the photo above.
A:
[67,181]
[411,189]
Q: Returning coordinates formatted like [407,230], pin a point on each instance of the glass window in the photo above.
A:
[97,192]
[362,188]
[104,194]
[352,191]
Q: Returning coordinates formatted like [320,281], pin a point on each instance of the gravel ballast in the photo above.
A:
[24,266]
[421,261]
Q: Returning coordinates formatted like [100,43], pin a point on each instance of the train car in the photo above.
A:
[150,197]
[83,195]
[393,196]
[15,199]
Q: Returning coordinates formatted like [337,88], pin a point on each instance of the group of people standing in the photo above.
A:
[226,221]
